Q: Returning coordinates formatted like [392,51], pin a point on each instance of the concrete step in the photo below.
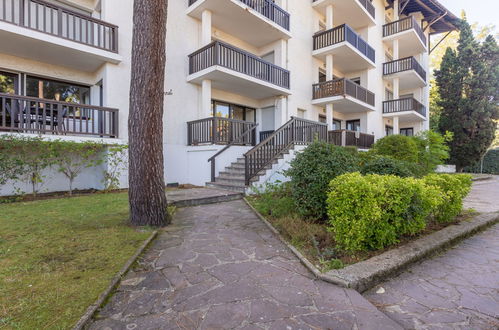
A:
[233,181]
[226,186]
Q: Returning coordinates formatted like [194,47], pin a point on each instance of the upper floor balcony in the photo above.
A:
[356,13]
[408,32]
[351,52]
[257,22]
[346,95]
[407,109]
[46,32]
[411,73]
[235,70]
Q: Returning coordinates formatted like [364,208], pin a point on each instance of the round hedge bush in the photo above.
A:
[386,166]
[399,147]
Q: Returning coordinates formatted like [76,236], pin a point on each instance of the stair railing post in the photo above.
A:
[213,170]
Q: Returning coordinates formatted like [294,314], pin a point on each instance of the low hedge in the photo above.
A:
[386,166]
[374,211]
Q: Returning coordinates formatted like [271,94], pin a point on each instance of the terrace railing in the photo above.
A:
[296,131]
[40,116]
[365,3]
[348,138]
[340,34]
[404,104]
[267,8]
[342,87]
[218,130]
[404,64]
[59,21]
[228,56]
[404,24]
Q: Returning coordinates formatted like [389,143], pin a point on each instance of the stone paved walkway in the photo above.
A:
[456,290]
[220,267]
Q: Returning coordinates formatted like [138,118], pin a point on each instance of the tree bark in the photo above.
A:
[147,197]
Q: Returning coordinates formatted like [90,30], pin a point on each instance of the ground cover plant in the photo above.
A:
[57,256]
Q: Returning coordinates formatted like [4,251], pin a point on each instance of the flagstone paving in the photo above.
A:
[458,289]
[220,267]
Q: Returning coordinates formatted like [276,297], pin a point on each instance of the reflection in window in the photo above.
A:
[57,90]
[232,111]
[353,125]
[8,83]
[407,131]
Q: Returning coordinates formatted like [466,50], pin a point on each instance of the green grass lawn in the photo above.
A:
[57,256]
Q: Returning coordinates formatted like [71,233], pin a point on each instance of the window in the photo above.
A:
[9,83]
[57,90]
[388,130]
[356,80]
[322,76]
[407,131]
[353,125]
[322,119]
[336,124]
[232,111]
[388,95]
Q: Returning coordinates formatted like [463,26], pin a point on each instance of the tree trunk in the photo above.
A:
[147,195]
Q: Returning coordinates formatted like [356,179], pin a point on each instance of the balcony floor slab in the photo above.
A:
[344,104]
[409,43]
[408,80]
[346,57]
[346,11]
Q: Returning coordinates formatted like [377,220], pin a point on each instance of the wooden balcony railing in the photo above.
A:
[405,104]
[267,8]
[228,56]
[40,116]
[404,64]
[296,131]
[342,87]
[366,4]
[49,18]
[340,34]
[404,24]
[218,130]
[348,138]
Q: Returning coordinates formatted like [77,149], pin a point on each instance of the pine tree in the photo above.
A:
[468,88]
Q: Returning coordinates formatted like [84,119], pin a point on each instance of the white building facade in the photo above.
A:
[351,71]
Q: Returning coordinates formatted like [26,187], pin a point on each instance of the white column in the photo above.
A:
[281,113]
[329,67]
[396,127]
[329,116]
[205,27]
[396,4]
[329,17]
[396,88]
[395,49]
[206,99]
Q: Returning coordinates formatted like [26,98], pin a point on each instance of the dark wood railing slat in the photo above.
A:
[402,25]
[347,138]
[405,104]
[404,64]
[342,87]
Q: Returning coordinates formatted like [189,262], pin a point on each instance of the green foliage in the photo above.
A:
[327,265]
[454,188]
[372,212]
[468,87]
[384,165]
[312,170]
[399,147]
[274,200]
[490,164]
[117,162]
[433,149]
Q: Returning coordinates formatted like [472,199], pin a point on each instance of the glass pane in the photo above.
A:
[336,124]
[8,83]
[221,110]
[353,125]
[237,112]
[56,90]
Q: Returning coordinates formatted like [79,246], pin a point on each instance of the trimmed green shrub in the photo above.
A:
[386,166]
[372,212]
[399,147]
[433,149]
[312,170]
[454,188]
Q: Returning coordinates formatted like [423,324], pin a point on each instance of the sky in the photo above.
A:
[483,11]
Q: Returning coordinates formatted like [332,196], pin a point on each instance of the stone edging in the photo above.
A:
[83,321]
[366,274]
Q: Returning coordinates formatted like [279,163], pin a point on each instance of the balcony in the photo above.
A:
[21,114]
[408,109]
[412,39]
[257,22]
[347,96]
[218,130]
[351,52]
[411,73]
[235,70]
[356,13]
[45,32]
[346,138]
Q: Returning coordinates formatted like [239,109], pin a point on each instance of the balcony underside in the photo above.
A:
[38,46]
[346,11]
[238,83]
[408,79]
[405,116]
[241,21]
[346,57]
[409,43]
[344,104]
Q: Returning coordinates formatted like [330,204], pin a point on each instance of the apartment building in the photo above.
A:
[248,82]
